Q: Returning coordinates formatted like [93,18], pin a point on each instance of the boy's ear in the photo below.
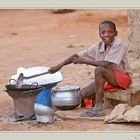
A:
[116,33]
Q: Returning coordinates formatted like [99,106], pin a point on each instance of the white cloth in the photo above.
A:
[41,80]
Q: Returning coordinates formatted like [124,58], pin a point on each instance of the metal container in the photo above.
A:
[66,98]
[45,119]
[44,114]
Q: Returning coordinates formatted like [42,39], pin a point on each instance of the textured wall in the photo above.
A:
[134,31]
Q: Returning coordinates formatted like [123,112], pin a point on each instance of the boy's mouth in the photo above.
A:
[107,40]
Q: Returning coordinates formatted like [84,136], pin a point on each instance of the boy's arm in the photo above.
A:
[67,61]
[105,64]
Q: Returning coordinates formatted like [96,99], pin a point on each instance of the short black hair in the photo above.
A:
[108,22]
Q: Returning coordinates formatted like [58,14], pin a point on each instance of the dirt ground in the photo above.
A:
[42,38]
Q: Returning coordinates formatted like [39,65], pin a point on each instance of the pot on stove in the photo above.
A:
[66,98]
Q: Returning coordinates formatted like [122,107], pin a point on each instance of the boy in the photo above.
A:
[112,71]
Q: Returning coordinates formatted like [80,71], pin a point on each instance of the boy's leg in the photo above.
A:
[89,90]
[102,75]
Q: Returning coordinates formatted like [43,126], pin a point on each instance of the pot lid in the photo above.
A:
[41,80]
[67,88]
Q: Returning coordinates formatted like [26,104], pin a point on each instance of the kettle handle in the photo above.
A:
[53,92]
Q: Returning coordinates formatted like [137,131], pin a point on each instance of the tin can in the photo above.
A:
[87,102]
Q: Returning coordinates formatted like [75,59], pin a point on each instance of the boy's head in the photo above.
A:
[107,31]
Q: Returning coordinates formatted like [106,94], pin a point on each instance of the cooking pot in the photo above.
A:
[27,87]
[66,98]
[24,87]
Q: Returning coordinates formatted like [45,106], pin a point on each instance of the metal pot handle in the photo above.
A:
[11,80]
[53,92]
[35,83]
[75,91]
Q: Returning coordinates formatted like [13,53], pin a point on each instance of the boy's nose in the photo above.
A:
[106,34]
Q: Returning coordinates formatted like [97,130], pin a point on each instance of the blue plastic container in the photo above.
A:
[44,97]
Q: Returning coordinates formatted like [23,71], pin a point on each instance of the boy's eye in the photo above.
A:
[109,32]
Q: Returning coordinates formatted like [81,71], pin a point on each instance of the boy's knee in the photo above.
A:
[99,69]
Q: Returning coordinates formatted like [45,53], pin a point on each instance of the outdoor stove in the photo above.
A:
[25,85]
[23,103]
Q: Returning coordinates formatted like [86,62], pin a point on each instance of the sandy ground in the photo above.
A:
[41,38]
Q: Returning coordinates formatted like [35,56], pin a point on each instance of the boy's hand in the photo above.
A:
[54,69]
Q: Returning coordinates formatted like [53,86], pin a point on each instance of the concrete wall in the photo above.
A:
[134,31]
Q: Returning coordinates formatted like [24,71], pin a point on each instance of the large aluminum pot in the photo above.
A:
[66,98]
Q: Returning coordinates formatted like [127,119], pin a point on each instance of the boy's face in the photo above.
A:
[107,33]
